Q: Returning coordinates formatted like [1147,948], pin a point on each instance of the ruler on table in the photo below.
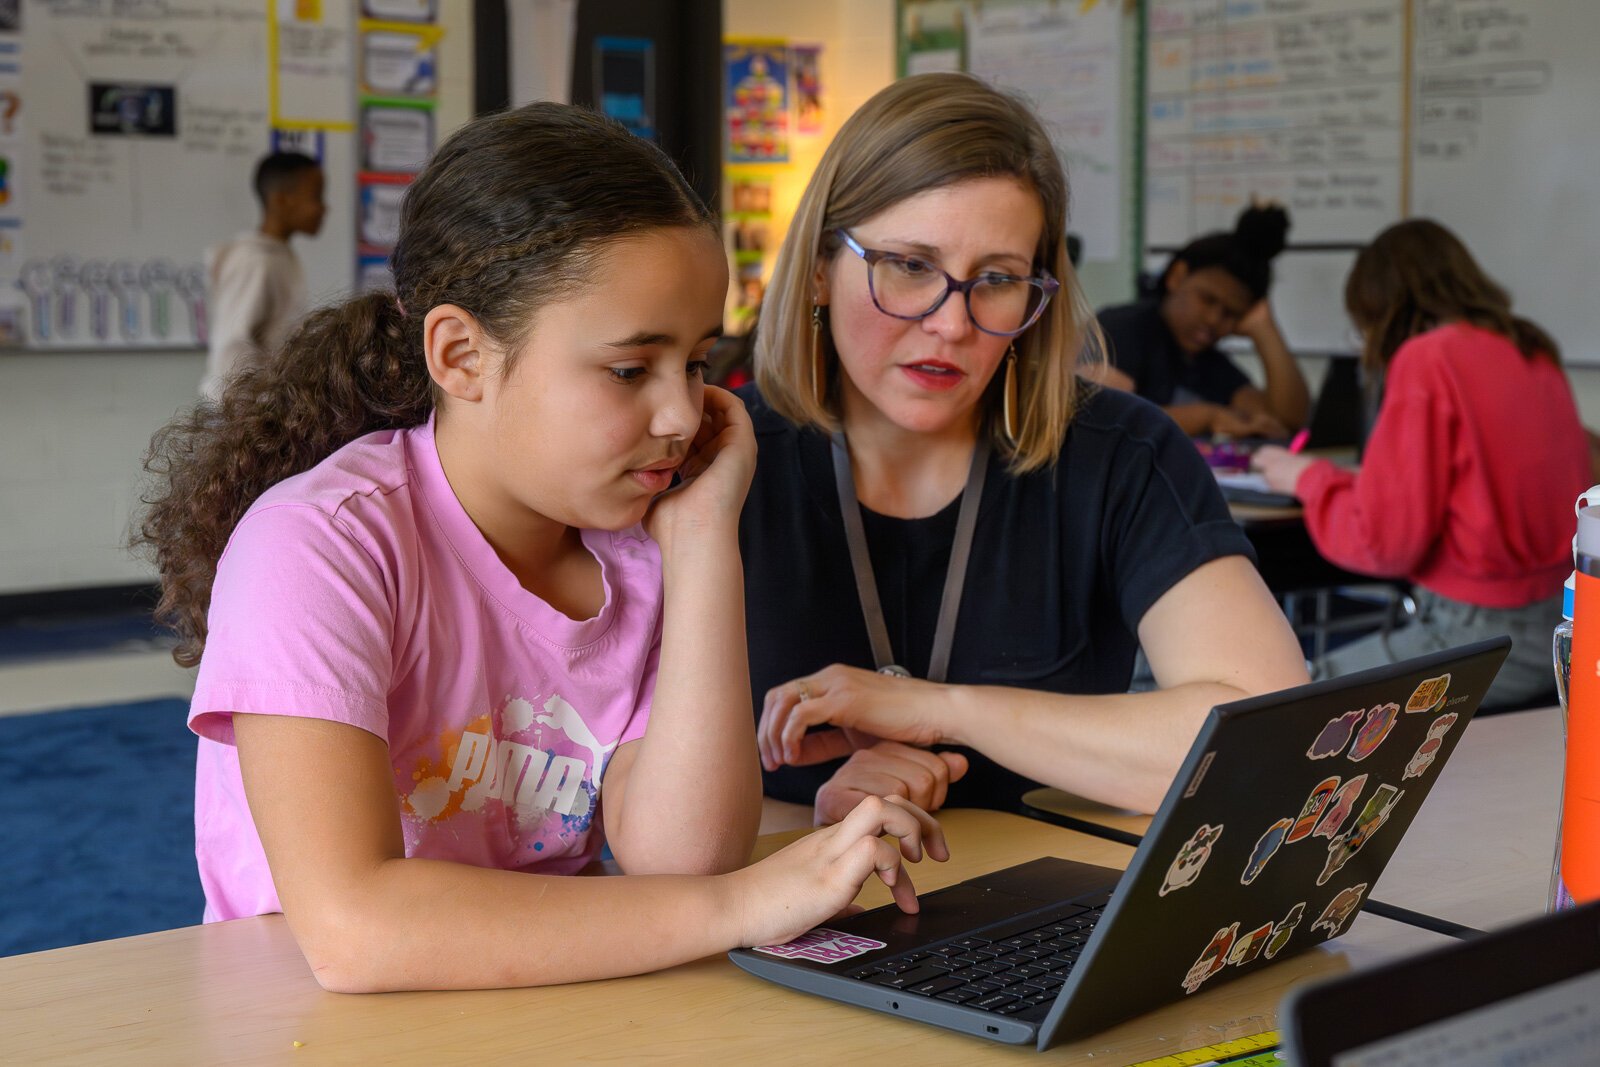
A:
[1257,1050]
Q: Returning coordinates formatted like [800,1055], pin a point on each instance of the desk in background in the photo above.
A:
[241,992]
[1479,851]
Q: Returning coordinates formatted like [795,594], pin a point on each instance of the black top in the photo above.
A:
[1065,562]
[1140,344]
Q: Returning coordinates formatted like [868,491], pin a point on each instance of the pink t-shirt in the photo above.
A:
[361,592]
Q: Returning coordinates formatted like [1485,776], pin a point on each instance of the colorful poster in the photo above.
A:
[807,60]
[757,101]
[308,66]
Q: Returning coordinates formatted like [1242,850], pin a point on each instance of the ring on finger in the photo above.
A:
[805,694]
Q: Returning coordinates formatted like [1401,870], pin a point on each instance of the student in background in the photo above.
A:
[1468,477]
[257,288]
[443,662]
[922,307]
[1164,347]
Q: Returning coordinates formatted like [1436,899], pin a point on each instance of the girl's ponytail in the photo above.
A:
[348,370]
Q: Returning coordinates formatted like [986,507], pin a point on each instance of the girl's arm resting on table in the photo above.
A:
[369,919]
[1216,636]
[686,798]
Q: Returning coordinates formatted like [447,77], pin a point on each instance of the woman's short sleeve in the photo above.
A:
[1164,515]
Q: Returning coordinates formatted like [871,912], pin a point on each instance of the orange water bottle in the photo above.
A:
[1580,801]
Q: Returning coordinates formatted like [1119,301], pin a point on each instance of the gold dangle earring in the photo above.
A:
[819,359]
[1010,406]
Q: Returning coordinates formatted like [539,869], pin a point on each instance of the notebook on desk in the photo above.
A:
[1283,815]
[1527,995]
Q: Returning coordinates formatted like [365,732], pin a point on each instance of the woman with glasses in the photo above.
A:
[954,546]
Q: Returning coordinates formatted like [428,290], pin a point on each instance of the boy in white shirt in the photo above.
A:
[257,288]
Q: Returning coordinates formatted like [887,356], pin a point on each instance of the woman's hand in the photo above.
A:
[888,768]
[855,700]
[715,475]
[818,877]
[1231,422]
[1258,321]
[1280,467]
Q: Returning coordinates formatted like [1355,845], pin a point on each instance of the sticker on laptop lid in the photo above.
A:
[1380,720]
[1339,909]
[1423,757]
[1429,695]
[1191,857]
[823,946]
[1212,958]
[1335,735]
[1266,846]
[1285,929]
[1343,803]
[1313,808]
[1248,946]
[1342,849]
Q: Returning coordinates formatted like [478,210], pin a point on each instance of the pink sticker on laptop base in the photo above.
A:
[823,946]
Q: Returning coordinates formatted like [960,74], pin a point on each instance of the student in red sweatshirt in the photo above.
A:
[1468,477]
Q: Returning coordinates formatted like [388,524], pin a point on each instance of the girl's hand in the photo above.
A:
[1280,467]
[818,876]
[715,475]
[888,768]
[859,702]
[1258,320]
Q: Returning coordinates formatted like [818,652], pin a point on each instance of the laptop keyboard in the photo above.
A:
[1011,968]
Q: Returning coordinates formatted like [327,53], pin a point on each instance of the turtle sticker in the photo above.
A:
[1191,857]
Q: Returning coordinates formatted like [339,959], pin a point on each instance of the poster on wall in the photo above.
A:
[807,59]
[757,86]
[308,66]
[625,80]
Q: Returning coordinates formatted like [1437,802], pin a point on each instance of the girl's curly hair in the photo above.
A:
[512,212]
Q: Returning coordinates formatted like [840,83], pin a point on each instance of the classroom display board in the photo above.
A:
[1357,113]
[128,137]
[1066,59]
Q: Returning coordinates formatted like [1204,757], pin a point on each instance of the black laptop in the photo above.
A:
[1279,822]
[1527,995]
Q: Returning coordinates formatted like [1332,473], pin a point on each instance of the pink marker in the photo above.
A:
[1299,440]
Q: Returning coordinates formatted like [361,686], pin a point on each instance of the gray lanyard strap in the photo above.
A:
[955,577]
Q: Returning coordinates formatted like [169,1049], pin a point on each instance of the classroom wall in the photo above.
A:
[74,427]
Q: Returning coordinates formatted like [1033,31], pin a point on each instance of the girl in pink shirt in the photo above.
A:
[456,625]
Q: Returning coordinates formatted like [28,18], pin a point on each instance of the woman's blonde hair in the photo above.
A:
[926,132]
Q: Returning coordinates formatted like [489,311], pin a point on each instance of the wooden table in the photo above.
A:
[240,992]
[1478,853]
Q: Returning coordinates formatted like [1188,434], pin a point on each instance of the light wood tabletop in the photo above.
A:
[1479,853]
[240,992]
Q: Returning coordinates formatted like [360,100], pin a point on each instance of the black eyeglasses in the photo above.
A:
[908,287]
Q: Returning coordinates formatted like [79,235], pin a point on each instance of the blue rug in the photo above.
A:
[97,806]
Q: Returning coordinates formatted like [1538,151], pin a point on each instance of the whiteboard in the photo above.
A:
[108,227]
[1483,114]
[1506,150]
[1299,101]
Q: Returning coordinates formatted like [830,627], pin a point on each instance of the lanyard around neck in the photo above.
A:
[955,576]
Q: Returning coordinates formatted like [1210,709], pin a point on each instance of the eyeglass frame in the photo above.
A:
[872,256]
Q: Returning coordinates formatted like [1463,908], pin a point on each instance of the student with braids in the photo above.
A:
[1164,347]
[441,660]
[1468,477]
